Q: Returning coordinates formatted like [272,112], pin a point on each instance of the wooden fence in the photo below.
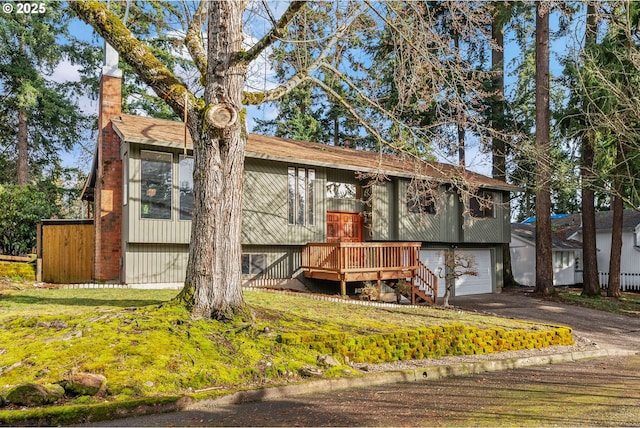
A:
[65,251]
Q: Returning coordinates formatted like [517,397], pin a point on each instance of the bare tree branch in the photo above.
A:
[254,98]
[193,39]
[153,72]
[276,32]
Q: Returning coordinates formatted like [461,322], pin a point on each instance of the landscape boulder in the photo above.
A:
[33,394]
[80,383]
[328,361]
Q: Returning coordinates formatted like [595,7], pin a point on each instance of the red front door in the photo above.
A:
[344,227]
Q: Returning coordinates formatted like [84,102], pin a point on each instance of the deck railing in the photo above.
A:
[349,257]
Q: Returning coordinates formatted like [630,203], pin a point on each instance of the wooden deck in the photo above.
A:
[370,261]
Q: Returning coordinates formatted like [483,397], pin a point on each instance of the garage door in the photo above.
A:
[434,260]
[466,285]
[481,284]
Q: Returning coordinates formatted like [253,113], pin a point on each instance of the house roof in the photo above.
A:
[527,232]
[158,132]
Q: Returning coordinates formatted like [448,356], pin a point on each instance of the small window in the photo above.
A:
[300,195]
[155,185]
[254,264]
[336,190]
[481,205]
[186,187]
[421,197]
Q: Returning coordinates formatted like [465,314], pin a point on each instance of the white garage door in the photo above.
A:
[434,260]
[481,284]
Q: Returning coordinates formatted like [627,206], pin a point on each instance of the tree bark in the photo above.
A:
[613,289]
[23,148]
[213,280]
[544,265]
[590,280]
[498,146]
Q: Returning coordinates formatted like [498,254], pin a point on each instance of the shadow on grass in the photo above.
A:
[77,301]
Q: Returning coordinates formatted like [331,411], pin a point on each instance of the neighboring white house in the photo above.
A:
[630,259]
[567,256]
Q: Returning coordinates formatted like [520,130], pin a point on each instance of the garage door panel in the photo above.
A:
[481,284]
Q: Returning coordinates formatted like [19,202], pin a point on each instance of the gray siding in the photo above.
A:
[490,230]
[156,263]
[439,227]
[265,216]
[162,263]
[282,261]
[383,216]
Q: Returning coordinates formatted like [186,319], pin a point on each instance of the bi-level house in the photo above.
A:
[310,210]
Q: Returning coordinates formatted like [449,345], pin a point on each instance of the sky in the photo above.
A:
[261,76]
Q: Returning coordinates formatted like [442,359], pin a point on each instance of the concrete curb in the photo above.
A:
[411,375]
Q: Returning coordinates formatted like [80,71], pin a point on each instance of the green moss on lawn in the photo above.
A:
[147,346]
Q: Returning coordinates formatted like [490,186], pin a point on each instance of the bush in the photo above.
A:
[22,209]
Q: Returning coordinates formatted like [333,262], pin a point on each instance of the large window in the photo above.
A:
[186,187]
[481,205]
[300,195]
[155,185]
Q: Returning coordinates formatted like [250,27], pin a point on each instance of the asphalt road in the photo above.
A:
[595,392]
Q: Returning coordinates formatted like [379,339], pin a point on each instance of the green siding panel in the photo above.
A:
[490,230]
[282,261]
[156,263]
[265,216]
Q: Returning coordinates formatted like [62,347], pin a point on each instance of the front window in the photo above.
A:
[481,205]
[421,197]
[186,187]
[300,195]
[155,185]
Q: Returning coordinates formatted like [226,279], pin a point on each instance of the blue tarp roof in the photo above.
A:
[553,217]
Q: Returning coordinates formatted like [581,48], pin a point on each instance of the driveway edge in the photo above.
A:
[410,375]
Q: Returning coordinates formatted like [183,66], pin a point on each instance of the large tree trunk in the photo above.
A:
[544,266]
[498,146]
[23,148]
[613,290]
[591,283]
[213,282]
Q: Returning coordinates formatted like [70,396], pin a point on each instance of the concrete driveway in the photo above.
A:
[605,329]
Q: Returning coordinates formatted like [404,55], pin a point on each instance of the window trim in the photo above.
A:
[250,257]
[301,196]
[481,212]
[179,205]
[158,154]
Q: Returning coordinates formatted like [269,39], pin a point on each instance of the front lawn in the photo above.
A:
[146,347]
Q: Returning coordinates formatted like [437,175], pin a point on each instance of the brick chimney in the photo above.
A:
[108,191]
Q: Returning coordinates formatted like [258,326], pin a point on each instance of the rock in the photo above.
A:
[149,384]
[32,394]
[80,383]
[328,361]
[311,372]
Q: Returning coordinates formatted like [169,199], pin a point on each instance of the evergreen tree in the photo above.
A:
[40,119]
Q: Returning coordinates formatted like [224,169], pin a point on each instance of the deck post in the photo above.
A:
[343,286]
